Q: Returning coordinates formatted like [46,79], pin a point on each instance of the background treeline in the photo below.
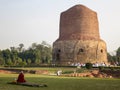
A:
[114,59]
[36,54]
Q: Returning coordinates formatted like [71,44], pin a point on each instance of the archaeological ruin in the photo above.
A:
[79,39]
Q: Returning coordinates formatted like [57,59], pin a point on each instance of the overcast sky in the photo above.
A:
[34,21]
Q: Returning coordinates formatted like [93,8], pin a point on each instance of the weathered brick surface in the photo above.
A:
[79,39]
[79,22]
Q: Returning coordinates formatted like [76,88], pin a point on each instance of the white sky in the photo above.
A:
[32,21]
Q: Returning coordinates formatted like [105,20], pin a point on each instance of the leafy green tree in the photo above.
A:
[109,57]
[118,55]
[37,57]
[9,62]
[14,56]
[21,47]
[88,65]
[19,61]
[29,61]
[118,52]
[36,54]
[6,55]
[2,62]
[45,52]
[29,54]
[23,63]
[112,58]
[34,45]
[37,61]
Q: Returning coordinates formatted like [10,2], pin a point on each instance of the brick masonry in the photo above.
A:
[79,40]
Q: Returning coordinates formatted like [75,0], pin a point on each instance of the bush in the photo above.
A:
[67,72]
[101,68]
[82,70]
[88,65]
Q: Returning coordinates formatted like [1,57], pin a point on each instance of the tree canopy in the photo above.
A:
[35,54]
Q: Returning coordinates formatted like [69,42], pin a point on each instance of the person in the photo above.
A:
[59,72]
[20,78]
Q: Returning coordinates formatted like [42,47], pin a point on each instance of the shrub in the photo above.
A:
[67,72]
[88,65]
[82,70]
[101,68]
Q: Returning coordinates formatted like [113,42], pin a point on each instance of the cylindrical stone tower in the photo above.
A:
[79,40]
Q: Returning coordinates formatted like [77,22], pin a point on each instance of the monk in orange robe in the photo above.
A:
[21,78]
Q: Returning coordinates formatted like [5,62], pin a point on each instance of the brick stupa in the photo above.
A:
[79,40]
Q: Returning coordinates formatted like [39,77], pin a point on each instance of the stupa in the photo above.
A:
[79,39]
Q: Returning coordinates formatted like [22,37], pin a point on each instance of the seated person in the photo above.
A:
[21,78]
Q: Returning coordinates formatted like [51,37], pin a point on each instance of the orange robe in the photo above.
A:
[21,78]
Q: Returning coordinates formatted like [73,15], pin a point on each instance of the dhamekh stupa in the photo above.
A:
[79,39]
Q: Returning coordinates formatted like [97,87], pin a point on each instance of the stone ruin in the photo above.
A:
[79,39]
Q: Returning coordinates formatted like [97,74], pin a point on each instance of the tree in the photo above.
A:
[29,61]
[21,47]
[6,55]
[109,57]
[37,61]
[88,65]
[118,55]
[12,48]
[34,45]
[118,52]
[1,59]
[36,54]
[14,56]
[112,58]
[23,63]
[45,52]
[2,62]
[19,61]
[9,62]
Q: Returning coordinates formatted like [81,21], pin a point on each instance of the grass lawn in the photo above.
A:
[60,83]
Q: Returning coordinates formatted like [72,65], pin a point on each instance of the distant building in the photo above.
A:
[79,40]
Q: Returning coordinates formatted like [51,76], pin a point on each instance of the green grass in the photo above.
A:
[60,83]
